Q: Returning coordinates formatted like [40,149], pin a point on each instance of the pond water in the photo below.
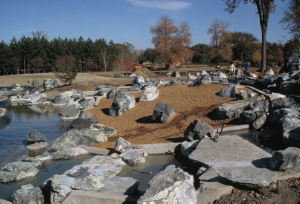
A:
[13,136]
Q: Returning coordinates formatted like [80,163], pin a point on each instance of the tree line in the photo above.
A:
[38,54]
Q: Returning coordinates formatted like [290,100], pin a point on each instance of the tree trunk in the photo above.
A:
[263,48]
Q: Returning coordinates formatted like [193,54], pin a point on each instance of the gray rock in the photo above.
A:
[236,159]
[81,176]
[28,194]
[234,109]
[137,79]
[62,154]
[284,160]
[32,160]
[248,176]
[162,112]
[99,166]
[5,118]
[172,83]
[84,120]
[121,103]
[34,136]
[269,71]
[197,130]
[259,122]
[88,137]
[62,98]
[120,186]
[291,131]
[119,75]
[175,74]
[135,87]
[205,79]
[71,111]
[171,185]
[192,77]
[144,84]
[112,92]
[37,97]
[187,148]
[227,92]
[4,102]
[246,94]
[149,93]
[88,183]
[17,171]
[120,144]
[290,87]
[49,84]
[239,73]
[86,102]
[134,157]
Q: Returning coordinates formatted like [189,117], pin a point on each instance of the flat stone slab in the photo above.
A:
[229,151]
[235,159]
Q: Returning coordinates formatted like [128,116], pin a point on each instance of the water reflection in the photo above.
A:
[25,118]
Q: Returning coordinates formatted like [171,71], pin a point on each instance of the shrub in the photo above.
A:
[66,69]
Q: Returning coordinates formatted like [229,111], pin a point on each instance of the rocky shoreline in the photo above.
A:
[212,163]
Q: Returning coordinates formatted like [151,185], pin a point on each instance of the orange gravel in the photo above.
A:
[135,125]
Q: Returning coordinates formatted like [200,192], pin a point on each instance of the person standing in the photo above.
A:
[247,67]
[231,70]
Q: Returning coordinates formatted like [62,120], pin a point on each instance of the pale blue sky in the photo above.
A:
[128,20]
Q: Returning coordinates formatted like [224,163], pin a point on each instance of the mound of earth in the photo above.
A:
[146,73]
[135,125]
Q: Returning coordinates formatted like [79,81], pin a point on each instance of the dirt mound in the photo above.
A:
[146,73]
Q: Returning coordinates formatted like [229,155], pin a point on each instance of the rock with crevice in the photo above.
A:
[197,130]
[162,112]
[17,171]
[134,157]
[149,93]
[171,185]
[122,102]
[284,160]
[28,194]
[34,136]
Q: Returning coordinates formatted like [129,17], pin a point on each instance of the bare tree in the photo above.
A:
[168,38]
[218,30]
[291,18]
[264,8]
[220,41]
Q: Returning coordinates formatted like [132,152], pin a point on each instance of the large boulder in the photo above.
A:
[120,186]
[149,93]
[175,74]
[84,120]
[37,97]
[28,194]
[268,71]
[50,84]
[86,102]
[88,175]
[4,102]
[234,109]
[17,171]
[171,185]
[73,138]
[62,98]
[284,160]
[197,130]
[227,92]
[5,118]
[134,157]
[70,111]
[246,94]
[121,103]
[235,159]
[204,79]
[137,80]
[34,136]
[162,112]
